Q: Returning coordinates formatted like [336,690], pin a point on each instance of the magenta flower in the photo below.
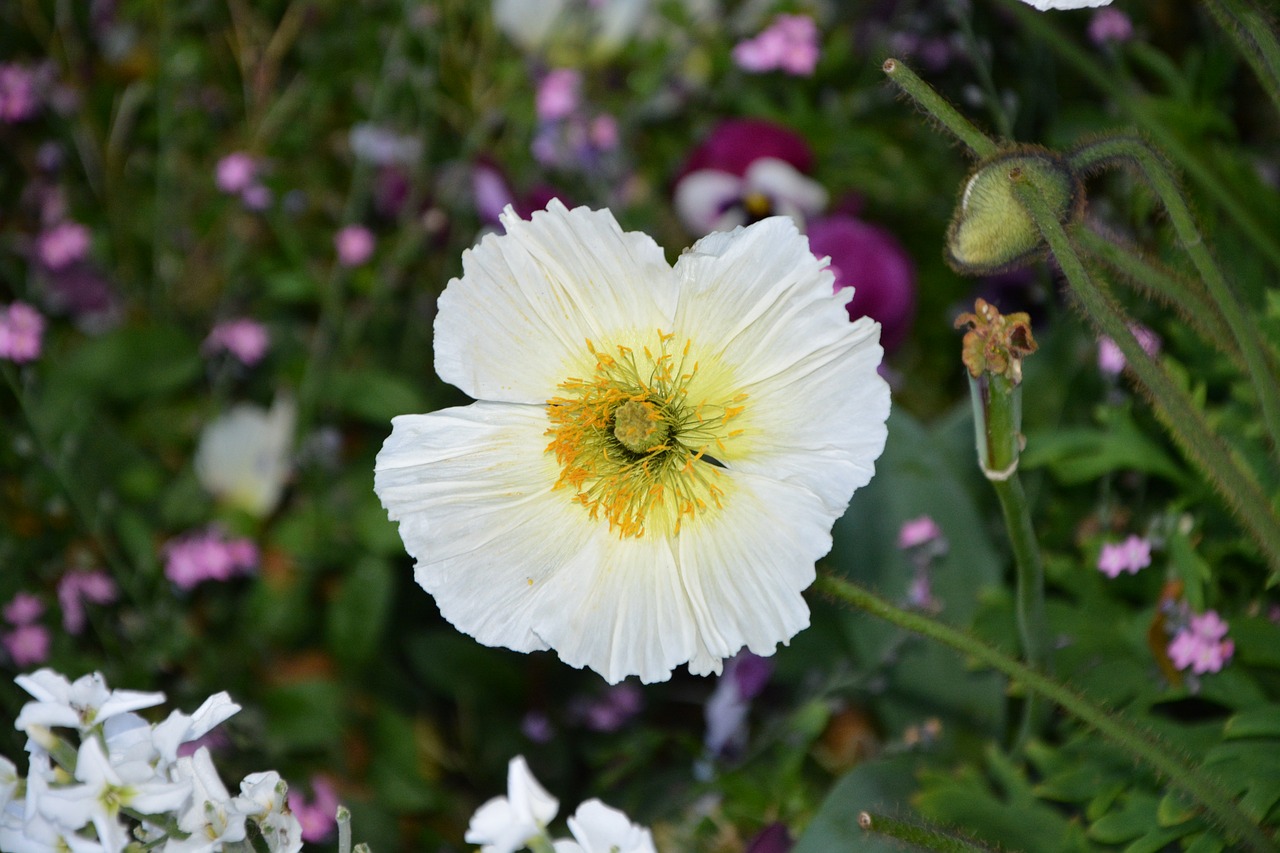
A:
[23,609]
[871,261]
[244,338]
[789,44]
[354,244]
[558,94]
[62,245]
[207,555]
[18,97]
[1201,646]
[77,587]
[21,332]
[745,676]
[1129,556]
[236,173]
[1111,360]
[1110,25]
[774,838]
[918,531]
[744,171]
[318,816]
[27,645]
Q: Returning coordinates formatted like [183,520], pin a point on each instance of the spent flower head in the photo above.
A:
[996,343]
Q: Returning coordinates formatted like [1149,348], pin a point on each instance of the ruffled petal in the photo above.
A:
[516,324]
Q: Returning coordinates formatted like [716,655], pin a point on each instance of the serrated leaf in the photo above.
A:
[1174,810]
[1083,454]
[1136,815]
[1159,839]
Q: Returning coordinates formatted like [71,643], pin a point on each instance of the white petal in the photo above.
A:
[785,185]
[601,829]
[516,324]
[1043,5]
[701,197]
[528,797]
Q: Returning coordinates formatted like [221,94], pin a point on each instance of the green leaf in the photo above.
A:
[1135,817]
[879,785]
[1084,454]
[135,363]
[306,715]
[358,613]
[1263,721]
[374,395]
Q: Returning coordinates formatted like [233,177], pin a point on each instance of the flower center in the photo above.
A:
[638,441]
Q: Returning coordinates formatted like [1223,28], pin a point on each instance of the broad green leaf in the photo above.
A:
[881,785]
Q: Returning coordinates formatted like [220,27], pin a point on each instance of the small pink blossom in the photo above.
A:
[1129,556]
[319,815]
[604,132]
[27,645]
[789,44]
[21,332]
[235,173]
[207,555]
[1111,360]
[18,98]
[244,338]
[918,531]
[1110,25]
[354,244]
[77,587]
[63,245]
[558,94]
[1201,646]
[23,609]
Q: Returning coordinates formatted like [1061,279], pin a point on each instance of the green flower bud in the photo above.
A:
[991,231]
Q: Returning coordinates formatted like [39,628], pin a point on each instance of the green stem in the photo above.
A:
[1146,747]
[916,834]
[343,819]
[1174,407]
[1157,282]
[1141,111]
[1131,150]
[935,105]
[1254,37]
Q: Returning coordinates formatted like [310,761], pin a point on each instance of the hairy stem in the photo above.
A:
[935,105]
[916,834]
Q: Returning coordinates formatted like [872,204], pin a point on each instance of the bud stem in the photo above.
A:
[916,834]
[1255,39]
[1174,407]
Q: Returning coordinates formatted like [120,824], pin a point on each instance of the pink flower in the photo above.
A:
[869,259]
[27,645]
[318,817]
[256,197]
[21,332]
[77,587]
[558,94]
[354,244]
[1129,556]
[23,609]
[18,99]
[918,531]
[1201,646]
[207,555]
[789,44]
[235,173]
[246,339]
[1110,25]
[604,132]
[1112,362]
[63,245]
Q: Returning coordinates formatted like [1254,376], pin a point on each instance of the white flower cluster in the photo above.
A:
[124,786]
[519,821]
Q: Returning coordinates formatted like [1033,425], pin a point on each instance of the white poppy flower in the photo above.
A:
[598,828]
[243,456]
[656,456]
[1044,5]
[506,824]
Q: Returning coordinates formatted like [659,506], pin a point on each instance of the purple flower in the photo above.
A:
[236,172]
[244,338]
[1201,646]
[744,171]
[354,245]
[871,261]
[77,587]
[918,531]
[774,838]
[23,609]
[18,97]
[1111,360]
[207,555]
[1129,556]
[27,645]
[21,332]
[536,726]
[62,245]
[317,816]
[604,132]
[1110,25]
[256,197]
[745,676]
[612,710]
[789,44]
[558,94]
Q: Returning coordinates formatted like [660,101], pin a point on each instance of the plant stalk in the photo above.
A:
[935,105]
